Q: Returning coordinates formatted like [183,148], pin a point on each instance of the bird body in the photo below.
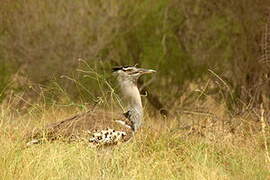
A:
[83,126]
[101,127]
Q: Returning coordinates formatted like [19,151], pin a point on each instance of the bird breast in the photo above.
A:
[131,94]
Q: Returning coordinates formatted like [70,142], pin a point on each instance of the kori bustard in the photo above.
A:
[99,127]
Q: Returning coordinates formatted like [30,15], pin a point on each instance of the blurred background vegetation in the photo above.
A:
[218,48]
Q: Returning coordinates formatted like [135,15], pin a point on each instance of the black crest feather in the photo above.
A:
[119,68]
[116,69]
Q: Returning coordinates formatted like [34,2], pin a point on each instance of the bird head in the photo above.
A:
[130,72]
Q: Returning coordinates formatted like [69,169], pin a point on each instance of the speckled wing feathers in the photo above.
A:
[86,126]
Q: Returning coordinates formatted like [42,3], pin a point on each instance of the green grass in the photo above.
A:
[156,152]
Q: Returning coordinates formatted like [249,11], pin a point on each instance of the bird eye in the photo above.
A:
[127,70]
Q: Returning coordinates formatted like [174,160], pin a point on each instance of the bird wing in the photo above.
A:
[81,125]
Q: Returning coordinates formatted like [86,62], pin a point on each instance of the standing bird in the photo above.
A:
[103,128]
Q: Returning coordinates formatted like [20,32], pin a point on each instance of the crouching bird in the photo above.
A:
[98,127]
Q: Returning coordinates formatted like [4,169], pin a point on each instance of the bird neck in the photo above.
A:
[132,97]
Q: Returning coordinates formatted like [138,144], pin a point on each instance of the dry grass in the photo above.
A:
[160,150]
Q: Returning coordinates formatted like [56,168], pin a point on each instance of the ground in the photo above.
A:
[161,149]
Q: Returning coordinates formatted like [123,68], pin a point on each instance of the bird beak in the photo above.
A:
[146,71]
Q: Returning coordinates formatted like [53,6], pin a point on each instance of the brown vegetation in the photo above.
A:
[43,40]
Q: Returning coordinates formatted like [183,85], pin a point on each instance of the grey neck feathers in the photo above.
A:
[132,97]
